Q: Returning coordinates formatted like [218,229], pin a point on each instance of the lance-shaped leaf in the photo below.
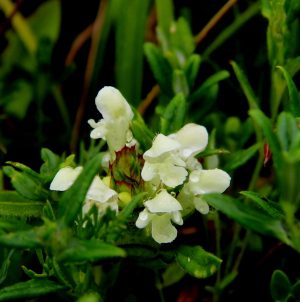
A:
[248,216]
[72,199]
[160,67]
[196,261]
[240,157]
[29,289]
[89,250]
[266,126]
[208,84]
[173,116]
[191,68]
[294,100]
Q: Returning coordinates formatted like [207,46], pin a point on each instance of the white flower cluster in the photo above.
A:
[169,163]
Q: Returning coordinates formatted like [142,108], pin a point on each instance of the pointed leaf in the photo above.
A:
[29,289]
[294,100]
[247,89]
[191,69]
[197,262]
[89,250]
[248,216]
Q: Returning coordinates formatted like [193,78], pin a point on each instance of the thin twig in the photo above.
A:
[97,29]
[149,99]
[214,20]
[78,43]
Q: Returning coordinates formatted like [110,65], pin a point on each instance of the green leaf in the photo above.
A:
[90,297]
[17,99]
[287,130]
[296,290]
[294,100]
[130,35]
[29,289]
[173,274]
[22,239]
[165,15]
[271,208]
[89,250]
[173,116]
[26,184]
[280,285]
[191,69]
[141,132]
[248,216]
[50,165]
[246,87]
[21,209]
[180,84]
[160,67]
[265,125]
[196,261]
[45,21]
[207,84]
[5,266]
[72,199]
[240,157]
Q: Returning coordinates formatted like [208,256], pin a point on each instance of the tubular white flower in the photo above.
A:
[208,181]
[161,146]
[192,138]
[163,202]
[98,193]
[160,211]
[64,178]
[117,115]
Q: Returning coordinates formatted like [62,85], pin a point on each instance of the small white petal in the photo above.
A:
[209,181]
[111,103]
[193,139]
[100,129]
[201,205]
[64,178]
[171,175]
[160,147]
[176,217]
[143,219]
[149,171]
[163,202]
[98,191]
[162,229]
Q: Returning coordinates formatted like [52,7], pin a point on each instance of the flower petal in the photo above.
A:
[209,181]
[162,229]
[112,105]
[193,139]
[100,129]
[160,146]
[98,191]
[163,202]
[149,171]
[171,175]
[143,219]
[64,178]
[201,205]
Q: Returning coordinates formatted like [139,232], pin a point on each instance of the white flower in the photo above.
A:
[117,115]
[171,156]
[208,181]
[202,182]
[98,193]
[160,211]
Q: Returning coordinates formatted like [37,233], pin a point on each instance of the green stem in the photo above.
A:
[20,25]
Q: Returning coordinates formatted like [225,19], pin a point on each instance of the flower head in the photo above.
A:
[117,115]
